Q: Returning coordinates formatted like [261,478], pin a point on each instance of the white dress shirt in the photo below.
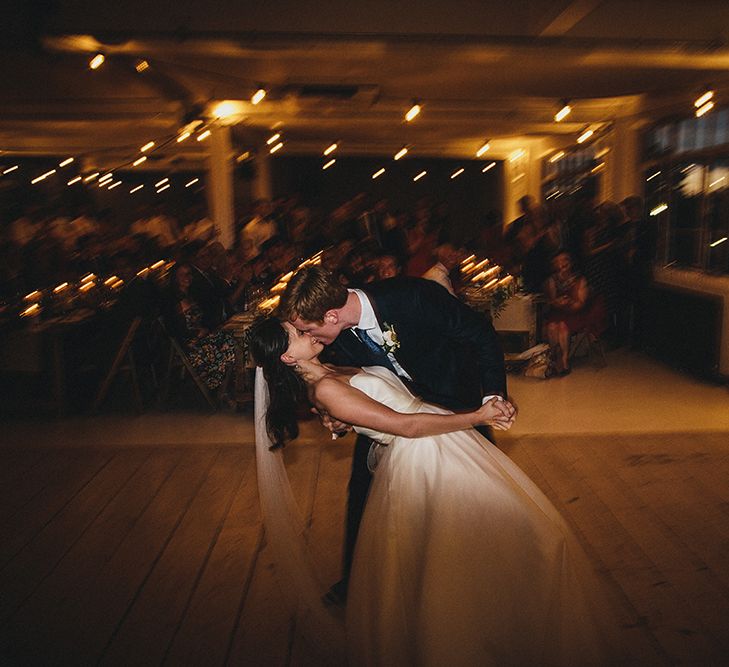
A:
[368,322]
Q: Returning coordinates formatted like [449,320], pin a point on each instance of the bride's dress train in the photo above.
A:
[462,560]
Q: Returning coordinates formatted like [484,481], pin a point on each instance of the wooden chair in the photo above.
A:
[591,344]
[123,362]
[178,360]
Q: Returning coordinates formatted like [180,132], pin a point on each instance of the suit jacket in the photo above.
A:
[451,352]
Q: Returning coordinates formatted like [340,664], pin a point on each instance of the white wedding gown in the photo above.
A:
[462,560]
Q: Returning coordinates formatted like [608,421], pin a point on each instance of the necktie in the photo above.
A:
[376,352]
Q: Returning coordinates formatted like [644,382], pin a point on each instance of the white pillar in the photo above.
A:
[622,160]
[220,185]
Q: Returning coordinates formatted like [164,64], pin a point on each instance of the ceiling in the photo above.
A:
[347,72]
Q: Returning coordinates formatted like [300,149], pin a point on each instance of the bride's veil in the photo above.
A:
[285,535]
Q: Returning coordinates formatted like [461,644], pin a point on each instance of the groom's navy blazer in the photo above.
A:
[451,352]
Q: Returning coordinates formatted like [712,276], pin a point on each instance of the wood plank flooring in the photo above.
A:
[153,555]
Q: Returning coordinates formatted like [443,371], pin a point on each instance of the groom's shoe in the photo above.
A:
[336,595]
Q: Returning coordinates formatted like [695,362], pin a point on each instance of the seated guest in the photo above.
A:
[387,266]
[571,309]
[194,321]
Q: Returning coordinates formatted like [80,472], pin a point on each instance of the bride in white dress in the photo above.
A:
[460,559]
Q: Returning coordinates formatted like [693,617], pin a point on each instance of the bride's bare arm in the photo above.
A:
[352,406]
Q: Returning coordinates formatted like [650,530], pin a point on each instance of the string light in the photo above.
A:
[192,182]
[329,164]
[584,136]
[91,177]
[277,147]
[97,61]
[139,161]
[163,188]
[66,162]
[273,138]
[378,173]
[13,168]
[203,135]
[331,149]
[457,173]
[658,209]
[162,182]
[518,153]
[401,153]
[182,137]
[133,190]
[488,167]
[704,109]
[483,149]
[652,176]
[557,157]
[412,112]
[106,177]
[141,66]
[42,177]
[723,239]
[74,180]
[420,175]
[565,111]
[113,185]
[258,96]
[709,94]
[147,146]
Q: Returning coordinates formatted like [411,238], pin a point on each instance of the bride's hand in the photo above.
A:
[337,428]
[496,412]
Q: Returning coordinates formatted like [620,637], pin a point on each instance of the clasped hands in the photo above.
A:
[498,413]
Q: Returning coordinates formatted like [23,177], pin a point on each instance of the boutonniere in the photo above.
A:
[390,340]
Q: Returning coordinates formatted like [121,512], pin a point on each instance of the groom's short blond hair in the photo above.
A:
[310,293]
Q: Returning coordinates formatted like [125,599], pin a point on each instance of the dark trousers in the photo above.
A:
[359,484]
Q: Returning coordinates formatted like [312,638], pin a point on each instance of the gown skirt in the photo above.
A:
[462,560]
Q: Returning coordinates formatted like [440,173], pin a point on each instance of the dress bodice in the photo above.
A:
[383,386]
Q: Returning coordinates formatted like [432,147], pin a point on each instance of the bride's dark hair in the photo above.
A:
[267,341]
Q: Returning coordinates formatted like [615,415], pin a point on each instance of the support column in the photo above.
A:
[622,161]
[220,185]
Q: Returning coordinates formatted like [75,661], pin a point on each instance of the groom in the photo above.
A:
[445,352]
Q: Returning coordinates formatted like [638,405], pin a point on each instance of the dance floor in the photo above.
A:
[120,550]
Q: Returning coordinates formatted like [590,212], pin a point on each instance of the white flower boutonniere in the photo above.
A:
[391,342]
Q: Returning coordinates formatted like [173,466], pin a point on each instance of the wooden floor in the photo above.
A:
[147,555]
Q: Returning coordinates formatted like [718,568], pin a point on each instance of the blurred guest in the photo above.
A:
[537,246]
[421,242]
[388,266]
[25,229]
[447,258]
[394,236]
[489,242]
[201,227]
[600,255]
[644,236]
[258,229]
[571,309]
[194,322]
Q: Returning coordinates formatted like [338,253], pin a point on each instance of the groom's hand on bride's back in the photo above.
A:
[338,429]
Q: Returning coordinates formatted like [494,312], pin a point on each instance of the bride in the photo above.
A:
[461,559]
